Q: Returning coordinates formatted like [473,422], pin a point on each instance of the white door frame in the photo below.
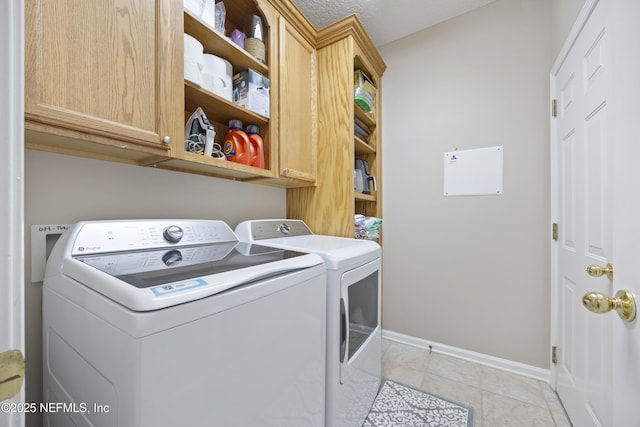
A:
[12,188]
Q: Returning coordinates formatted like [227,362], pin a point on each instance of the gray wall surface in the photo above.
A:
[470,272]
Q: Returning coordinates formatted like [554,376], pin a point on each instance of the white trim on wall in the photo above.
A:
[471,356]
[12,189]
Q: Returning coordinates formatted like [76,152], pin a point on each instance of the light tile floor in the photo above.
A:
[499,398]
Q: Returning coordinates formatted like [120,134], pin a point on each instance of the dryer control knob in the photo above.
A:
[173,234]
[284,228]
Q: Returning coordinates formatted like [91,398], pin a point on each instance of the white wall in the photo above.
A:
[62,190]
[470,272]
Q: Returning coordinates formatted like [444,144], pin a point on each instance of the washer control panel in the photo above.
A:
[116,236]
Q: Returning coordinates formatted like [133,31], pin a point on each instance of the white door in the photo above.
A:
[584,223]
[11,201]
[596,208]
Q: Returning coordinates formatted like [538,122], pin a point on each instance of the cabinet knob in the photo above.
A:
[166,139]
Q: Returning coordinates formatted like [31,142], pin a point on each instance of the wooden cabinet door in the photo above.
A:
[110,69]
[297,105]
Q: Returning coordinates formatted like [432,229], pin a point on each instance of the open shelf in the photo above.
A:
[364,117]
[217,108]
[365,197]
[362,147]
[219,45]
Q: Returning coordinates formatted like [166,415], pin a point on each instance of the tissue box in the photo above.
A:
[251,91]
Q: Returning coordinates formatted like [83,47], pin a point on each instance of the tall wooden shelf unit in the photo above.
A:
[329,207]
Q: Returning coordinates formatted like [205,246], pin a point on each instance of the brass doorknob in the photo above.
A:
[624,304]
[597,271]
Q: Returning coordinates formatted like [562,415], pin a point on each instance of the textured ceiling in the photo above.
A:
[387,20]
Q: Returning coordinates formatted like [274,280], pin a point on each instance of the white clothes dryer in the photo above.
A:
[354,337]
[164,323]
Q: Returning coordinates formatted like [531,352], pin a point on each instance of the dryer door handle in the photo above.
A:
[343,330]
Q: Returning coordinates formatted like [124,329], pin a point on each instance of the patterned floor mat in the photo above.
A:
[400,406]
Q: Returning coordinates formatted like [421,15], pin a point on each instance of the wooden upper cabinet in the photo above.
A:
[297,92]
[104,71]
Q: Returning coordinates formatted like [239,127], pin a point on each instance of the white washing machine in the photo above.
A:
[353,312]
[164,323]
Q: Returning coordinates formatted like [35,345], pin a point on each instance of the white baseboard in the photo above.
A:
[471,356]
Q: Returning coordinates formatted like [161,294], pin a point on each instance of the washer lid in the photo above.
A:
[156,268]
[151,264]
[154,279]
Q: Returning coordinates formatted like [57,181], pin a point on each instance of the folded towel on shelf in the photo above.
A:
[367,227]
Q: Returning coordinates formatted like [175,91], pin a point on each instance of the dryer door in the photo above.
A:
[360,332]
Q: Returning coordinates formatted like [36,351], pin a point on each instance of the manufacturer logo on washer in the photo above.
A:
[90,248]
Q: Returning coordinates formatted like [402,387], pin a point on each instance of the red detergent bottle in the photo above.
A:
[236,144]
[257,146]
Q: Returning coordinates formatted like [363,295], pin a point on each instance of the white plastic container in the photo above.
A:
[217,76]
[196,7]
[228,81]
[209,13]
[193,60]
[211,76]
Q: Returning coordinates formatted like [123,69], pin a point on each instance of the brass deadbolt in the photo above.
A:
[598,271]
